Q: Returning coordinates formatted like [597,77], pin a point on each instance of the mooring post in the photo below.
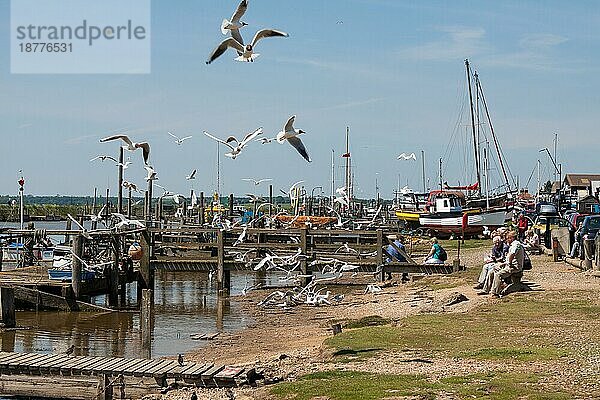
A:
[146,321]
[7,307]
[129,205]
[230,204]
[149,203]
[146,275]
[105,390]
[304,249]
[380,253]
[223,276]
[107,208]
[120,182]
[113,277]
[1,260]
[68,228]
[94,223]
[270,200]
[77,249]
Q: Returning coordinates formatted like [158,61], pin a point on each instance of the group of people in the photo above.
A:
[436,255]
[506,258]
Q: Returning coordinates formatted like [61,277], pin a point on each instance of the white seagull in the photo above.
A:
[191,176]
[235,151]
[265,140]
[404,156]
[125,222]
[151,176]
[131,146]
[246,52]
[131,185]
[234,25]
[257,182]
[290,134]
[84,231]
[179,140]
[104,157]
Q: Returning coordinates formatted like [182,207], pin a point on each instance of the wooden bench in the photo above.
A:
[515,284]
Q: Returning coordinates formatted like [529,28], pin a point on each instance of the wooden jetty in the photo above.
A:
[83,377]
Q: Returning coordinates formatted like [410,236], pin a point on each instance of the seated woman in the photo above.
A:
[532,242]
[497,255]
[436,254]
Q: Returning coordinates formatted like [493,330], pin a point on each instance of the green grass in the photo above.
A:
[371,320]
[520,328]
[349,385]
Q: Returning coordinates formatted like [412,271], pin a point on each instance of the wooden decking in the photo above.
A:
[62,366]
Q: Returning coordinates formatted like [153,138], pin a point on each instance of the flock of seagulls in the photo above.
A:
[235,145]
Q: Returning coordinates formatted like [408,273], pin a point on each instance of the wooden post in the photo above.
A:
[555,249]
[146,206]
[105,390]
[94,223]
[7,308]
[380,253]
[201,208]
[113,277]
[1,260]
[146,321]
[588,250]
[129,204]
[67,236]
[304,248]
[76,266]
[149,204]
[120,181]
[223,277]
[270,200]
[146,275]
[107,209]
[230,205]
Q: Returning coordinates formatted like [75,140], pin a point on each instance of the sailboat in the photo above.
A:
[466,210]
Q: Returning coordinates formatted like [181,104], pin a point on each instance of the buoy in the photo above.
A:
[135,251]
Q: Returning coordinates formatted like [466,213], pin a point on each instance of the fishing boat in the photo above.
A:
[468,209]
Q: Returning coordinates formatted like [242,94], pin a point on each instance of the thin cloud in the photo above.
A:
[457,42]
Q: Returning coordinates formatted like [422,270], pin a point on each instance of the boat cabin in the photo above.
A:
[447,204]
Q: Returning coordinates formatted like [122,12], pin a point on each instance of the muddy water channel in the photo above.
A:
[186,303]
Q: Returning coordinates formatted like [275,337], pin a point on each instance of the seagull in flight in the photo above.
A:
[151,176]
[131,146]
[234,25]
[131,185]
[179,140]
[257,182]
[404,156]
[290,134]
[265,140]
[235,151]
[125,222]
[290,191]
[246,52]
[191,176]
[104,157]
[84,231]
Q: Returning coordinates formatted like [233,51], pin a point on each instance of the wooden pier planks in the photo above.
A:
[33,364]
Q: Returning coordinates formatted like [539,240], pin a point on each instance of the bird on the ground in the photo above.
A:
[131,185]
[151,173]
[239,145]
[404,156]
[234,25]
[180,359]
[70,350]
[179,140]
[257,182]
[246,51]
[131,146]
[373,288]
[191,176]
[290,134]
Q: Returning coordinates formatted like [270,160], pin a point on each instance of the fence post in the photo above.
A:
[77,249]
[223,277]
[146,275]
[380,253]
[146,321]
[7,308]
[113,277]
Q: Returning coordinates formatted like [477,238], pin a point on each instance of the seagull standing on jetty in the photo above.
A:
[131,146]
[179,140]
[234,25]
[290,134]
[235,151]
[246,52]
[404,156]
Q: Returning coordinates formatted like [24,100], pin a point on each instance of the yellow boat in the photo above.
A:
[408,216]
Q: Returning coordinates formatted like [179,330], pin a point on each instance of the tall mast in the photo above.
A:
[347,156]
[473,129]
[496,144]
[218,169]
[423,169]
[332,177]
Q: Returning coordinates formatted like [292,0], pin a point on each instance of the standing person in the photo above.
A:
[513,264]
[437,254]
[395,255]
[522,225]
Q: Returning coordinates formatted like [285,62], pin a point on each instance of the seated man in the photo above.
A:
[532,242]
[395,255]
[514,263]
[496,256]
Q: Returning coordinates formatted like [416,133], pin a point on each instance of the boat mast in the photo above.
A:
[496,145]
[473,129]
[441,185]
[347,156]
[332,177]
[423,169]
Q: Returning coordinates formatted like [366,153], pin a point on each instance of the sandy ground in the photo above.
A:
[288,343]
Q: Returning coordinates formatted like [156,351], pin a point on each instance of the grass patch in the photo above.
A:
[347,385]
[371,320]
[520,328]
[468,244]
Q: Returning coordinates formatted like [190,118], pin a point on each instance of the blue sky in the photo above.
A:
[392,71]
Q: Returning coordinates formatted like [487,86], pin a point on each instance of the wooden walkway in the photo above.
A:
[58,366]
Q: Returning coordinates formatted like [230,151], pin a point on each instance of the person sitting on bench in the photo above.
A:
[499,250]
[532,242]
[513,265]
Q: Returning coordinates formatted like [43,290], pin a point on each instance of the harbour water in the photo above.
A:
[186,303]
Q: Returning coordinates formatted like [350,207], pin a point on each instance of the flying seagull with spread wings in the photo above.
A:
[239,145]
[179,140]
[234,25]
[246,51]
[404,156]
[131,146]
[290,134]
[257,181]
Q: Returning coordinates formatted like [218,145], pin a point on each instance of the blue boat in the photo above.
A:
[65,275]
